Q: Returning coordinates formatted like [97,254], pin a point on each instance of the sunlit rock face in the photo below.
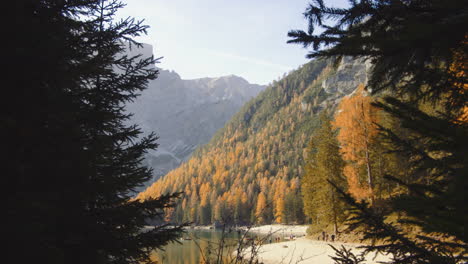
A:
[349,74]
[185,114]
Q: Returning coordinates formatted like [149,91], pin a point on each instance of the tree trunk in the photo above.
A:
[369,176]
[335,220]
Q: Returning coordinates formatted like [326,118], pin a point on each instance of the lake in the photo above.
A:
[189,248]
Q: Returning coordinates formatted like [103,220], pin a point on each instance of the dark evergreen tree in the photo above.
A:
[323,164]
[419,54]
[71,160]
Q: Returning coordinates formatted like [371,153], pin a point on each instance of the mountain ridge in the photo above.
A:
[250,170]
[185,114]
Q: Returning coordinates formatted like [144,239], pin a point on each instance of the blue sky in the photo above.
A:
[210,38]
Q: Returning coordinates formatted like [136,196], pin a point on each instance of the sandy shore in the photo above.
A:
[305,251]
[286,230]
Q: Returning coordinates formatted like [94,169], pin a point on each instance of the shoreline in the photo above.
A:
[295,246]
[308,251]
[287,230]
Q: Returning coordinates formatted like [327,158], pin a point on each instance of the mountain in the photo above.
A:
[185,113]
[251,169]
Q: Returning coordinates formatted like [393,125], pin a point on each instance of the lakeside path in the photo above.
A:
[306,251]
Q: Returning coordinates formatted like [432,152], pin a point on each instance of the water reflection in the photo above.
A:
[188,249]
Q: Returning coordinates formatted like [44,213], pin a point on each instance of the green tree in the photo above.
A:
[294,211]
[205,214]
[323,164]
[74,167]
[419,53]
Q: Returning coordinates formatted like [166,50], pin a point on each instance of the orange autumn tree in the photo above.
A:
[260,208]
[280,187]
[356,120]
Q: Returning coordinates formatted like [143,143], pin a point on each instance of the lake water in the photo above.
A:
[197,244]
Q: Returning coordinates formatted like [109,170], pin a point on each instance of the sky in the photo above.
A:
[212,38]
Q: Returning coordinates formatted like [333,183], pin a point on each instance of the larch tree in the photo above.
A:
[279,209]
[323,165]
[261,208]
[356,120]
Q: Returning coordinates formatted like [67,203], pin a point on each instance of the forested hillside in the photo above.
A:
[251,169]
[184,113]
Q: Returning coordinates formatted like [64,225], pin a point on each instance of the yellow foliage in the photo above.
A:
[355,187]
[356,121]
[260,208]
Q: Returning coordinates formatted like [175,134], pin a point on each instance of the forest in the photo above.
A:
[249,172]
[260,168]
